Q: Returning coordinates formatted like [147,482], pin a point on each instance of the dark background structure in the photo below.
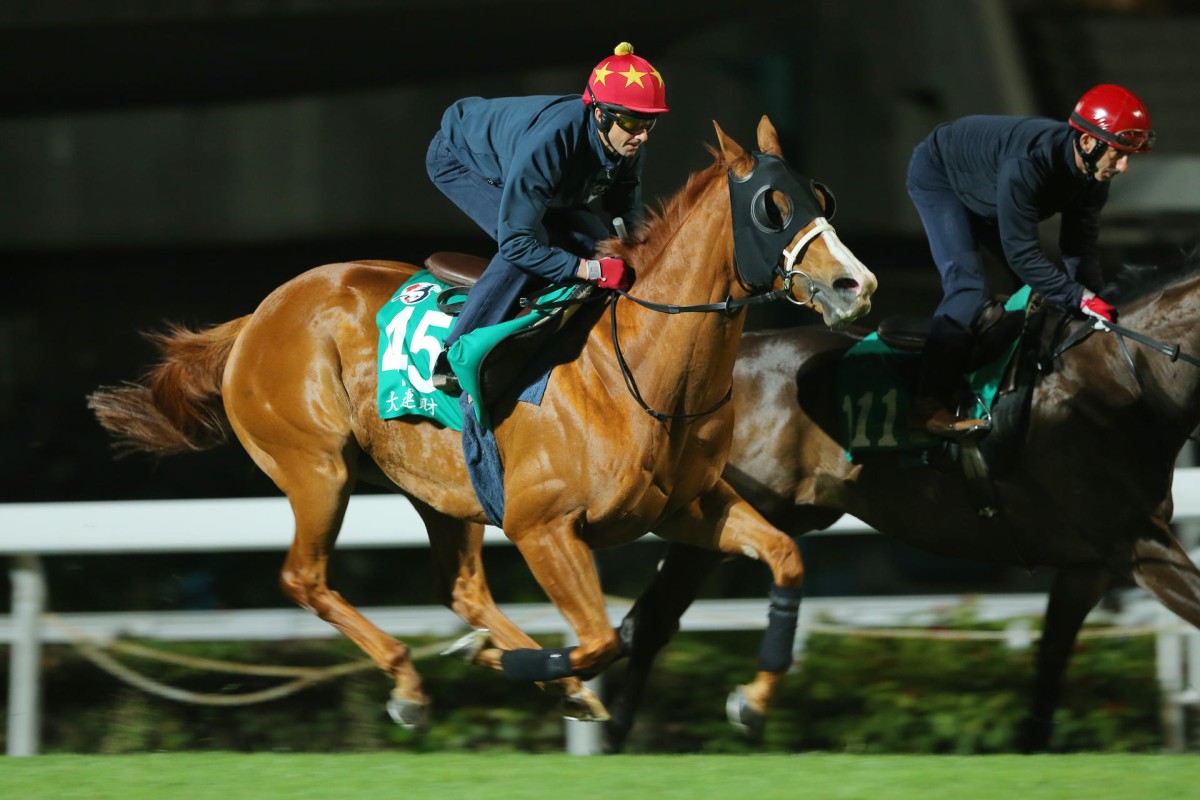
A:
[175,161]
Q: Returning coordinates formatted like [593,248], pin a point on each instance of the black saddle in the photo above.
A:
[992,332]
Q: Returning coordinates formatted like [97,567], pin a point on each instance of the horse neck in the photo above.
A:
[694,262]
[1172,389]
[692,266]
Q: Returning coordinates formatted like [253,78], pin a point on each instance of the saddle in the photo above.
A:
[993,332]
[1014,342]
[456,269]
[524,356]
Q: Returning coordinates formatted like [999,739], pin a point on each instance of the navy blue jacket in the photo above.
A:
[1018,171]
[545,153]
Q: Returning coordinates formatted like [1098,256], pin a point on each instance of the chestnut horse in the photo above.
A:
[1088,491]
[296,382]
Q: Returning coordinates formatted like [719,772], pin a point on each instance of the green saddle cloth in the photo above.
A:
[874,395]
[413,330]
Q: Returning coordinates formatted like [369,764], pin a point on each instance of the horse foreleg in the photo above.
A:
[649,625]
[562,564]
[721,520]
[1074,593]
[319,506]
[458,554]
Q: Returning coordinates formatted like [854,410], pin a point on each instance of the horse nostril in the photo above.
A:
[848,285]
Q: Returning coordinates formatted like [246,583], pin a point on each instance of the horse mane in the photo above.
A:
[662,224]
[1136,281]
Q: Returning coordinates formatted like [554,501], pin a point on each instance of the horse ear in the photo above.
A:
[768,139]
[732,153]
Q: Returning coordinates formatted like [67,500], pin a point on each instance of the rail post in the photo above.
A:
[24,680]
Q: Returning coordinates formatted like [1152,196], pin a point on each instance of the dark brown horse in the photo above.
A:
[1088,490]
[296,382]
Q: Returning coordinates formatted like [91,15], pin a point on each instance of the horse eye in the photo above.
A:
[771,210]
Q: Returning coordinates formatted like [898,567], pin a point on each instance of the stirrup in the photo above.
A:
[443,378]
[938,421]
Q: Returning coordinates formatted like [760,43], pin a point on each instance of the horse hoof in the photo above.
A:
[584,706]
[744,718]
[408,714]
[468,647]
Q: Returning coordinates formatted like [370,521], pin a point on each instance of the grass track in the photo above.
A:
[495,776]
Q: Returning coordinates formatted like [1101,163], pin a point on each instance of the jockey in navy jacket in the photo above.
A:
[543,153]
[1016,172]
[526,169]
[988,181]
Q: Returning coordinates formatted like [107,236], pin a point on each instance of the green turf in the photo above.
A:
[229,776]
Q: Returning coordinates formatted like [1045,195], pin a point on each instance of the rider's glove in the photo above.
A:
[610,273]
[1095,307]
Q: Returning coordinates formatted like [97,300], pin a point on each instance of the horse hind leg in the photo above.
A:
[317,481]
[1162,568]
[458,554]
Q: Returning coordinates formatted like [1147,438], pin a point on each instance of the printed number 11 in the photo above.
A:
[865,402]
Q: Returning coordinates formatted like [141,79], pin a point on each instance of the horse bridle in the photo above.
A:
[760,244]
[755,232]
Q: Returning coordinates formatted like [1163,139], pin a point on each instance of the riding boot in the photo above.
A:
[941,367]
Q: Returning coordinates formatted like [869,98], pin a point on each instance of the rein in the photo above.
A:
[1167,350]
[631,384]
[1173,352]
[728,307]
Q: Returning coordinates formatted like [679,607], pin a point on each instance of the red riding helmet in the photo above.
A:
[1116,117]
[627,81]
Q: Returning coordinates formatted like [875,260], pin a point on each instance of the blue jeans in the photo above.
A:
[956,237]
[953,234]
[494,297]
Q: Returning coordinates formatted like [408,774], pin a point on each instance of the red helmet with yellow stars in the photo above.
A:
[627,81]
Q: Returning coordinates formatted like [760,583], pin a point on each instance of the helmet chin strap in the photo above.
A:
[1090,160]
[604,126]
[606,122]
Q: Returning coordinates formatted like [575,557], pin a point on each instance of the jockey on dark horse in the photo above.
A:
[526,168]
[989,180]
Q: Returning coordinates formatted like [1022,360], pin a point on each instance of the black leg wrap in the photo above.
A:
[529,665]
[775,655]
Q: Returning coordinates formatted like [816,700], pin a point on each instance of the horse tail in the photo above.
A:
[176,407]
